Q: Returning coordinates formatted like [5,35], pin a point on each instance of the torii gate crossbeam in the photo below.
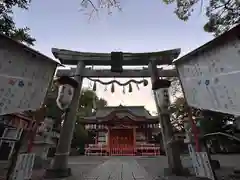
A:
[127,73]
[104,59]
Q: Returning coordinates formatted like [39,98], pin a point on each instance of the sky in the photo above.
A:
[141,26]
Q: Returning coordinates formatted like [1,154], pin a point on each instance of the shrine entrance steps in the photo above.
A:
[153,151]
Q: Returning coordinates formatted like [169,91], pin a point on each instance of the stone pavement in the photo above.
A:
[123,168]
[105,168]
[130,168]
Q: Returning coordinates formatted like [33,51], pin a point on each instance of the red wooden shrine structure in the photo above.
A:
[122,131]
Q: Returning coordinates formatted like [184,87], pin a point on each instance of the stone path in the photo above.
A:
[130,168]
[123,168]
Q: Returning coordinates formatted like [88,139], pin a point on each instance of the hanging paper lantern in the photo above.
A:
[66,88]
[94,86]
[112,88]
[130,88]
[145,82]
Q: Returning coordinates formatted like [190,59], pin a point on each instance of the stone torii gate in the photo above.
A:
[116,60]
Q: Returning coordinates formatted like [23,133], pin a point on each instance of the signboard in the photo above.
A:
[207,165]
[201,163]
[24,79]
[210,78]
[24,166]
[196,162]
[200,160]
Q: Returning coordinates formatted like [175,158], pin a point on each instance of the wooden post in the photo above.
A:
[134,140]
[108,140]
[194,130]
[160,90]
[96,140]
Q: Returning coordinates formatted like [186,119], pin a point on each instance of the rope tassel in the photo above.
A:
[128,83]
[112,88]
[124,90]
[94,86]
[130,88]
[137,86]
[145,82]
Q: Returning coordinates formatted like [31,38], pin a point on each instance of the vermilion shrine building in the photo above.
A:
[122,130]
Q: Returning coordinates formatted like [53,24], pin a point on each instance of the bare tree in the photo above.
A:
[222,14]
[93,6]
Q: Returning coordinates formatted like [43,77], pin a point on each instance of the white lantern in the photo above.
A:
[66,87]
[160,88]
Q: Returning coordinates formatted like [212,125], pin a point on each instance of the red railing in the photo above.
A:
[145,150]
[122,151]
[140,150]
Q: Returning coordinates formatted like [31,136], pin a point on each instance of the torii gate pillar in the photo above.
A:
[160,89]
[59,168]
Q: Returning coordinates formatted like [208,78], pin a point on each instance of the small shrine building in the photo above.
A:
[122,130]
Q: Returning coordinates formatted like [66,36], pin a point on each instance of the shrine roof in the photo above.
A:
[138,112]
[5,39]
[218,41]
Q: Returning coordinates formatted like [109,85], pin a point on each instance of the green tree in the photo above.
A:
[80,137]
[222,14]
[88,104]
[210,121]
[215,121]
[7,24]
[179,110]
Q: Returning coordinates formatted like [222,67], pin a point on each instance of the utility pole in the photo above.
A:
[160,89]
[59,168]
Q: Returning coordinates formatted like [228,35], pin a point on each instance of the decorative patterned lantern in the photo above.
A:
[66,87]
